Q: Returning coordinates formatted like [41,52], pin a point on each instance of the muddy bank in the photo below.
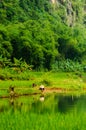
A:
[62,90]
[45,91]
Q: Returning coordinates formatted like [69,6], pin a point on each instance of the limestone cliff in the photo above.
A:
[71,11]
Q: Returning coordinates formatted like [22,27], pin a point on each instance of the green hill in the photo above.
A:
[43,32]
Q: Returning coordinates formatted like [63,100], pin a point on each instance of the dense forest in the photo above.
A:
[46,34]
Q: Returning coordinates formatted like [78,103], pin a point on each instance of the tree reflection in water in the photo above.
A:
[52,103]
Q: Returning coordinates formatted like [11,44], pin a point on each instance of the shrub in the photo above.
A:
[67,66]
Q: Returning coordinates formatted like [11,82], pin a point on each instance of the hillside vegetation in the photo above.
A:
[43,33]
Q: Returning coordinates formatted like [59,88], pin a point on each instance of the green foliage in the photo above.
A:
[5,44]
[59,112]
[67,66]
[4,62]
[38,33]
[21,65]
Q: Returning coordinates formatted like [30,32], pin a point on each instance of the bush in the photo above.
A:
[67,66]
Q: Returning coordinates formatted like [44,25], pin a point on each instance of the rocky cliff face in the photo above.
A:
[71,11]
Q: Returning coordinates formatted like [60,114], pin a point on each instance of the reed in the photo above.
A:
[32,121]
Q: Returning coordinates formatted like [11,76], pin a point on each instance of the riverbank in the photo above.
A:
[53,82]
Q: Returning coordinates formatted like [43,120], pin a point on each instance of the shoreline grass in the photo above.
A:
[53,79]
[16,120]
[74,81]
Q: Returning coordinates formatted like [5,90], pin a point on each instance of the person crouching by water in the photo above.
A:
[42,88]
[12,93]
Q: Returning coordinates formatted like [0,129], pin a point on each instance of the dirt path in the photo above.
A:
[61,90]
[45,91]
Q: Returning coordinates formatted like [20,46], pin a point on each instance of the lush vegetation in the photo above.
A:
[41,34]
[30,113]
[41,41]
[17,120]
[23,81]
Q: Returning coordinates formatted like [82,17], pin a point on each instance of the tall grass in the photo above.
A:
[32,121]
[49,79]
[31,114]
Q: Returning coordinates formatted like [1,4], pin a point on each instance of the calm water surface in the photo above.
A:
[52,103]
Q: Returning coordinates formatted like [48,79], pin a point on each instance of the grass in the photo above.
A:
[31,121]
[25,80]
[34,116]
[50,79]
[31,114]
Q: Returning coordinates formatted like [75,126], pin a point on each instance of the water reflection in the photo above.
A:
[45,104]
[66,103]
[42,98]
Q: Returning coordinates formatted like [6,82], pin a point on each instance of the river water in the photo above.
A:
[51,103]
